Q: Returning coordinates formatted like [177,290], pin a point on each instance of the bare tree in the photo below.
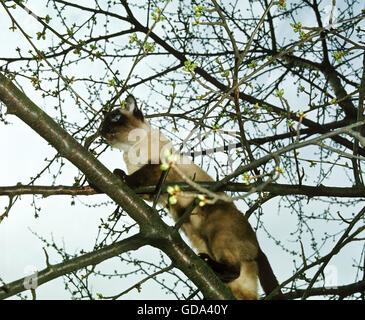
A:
[266,96]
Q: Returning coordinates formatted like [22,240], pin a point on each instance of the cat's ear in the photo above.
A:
[132,108]
[130,104]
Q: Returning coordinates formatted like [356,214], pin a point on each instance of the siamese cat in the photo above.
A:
[219,232]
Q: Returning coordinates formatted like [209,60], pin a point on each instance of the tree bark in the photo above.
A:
[151,225]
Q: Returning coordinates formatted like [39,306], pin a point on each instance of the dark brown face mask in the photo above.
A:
[119,122]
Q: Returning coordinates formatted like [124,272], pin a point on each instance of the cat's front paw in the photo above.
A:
[121,174]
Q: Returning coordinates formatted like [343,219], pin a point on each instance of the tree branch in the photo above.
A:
[342,291]
[72,265]
[151,226]
[273,188]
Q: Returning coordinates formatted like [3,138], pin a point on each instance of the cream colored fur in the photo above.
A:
[224,233]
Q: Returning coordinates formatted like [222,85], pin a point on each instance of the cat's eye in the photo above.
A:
[116,118]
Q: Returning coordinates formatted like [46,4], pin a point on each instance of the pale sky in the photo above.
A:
[75,227]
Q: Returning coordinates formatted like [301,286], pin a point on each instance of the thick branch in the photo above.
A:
[333,79]
[332,76]
[342,291]
[161,235]
[273,188]
[72,265]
